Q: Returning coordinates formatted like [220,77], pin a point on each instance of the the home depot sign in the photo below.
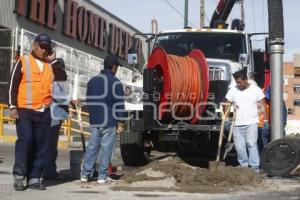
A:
[81,24]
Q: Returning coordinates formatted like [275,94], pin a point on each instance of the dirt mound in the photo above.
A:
[184,174]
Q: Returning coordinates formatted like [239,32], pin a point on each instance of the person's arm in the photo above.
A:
[88,92]
[92,93]
[261,104]
[119,100]
[15,80]
[262,108]
[228,102]
[120,108]
[59,71]
[262,111]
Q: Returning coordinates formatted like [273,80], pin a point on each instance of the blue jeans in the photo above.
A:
[263,138]
[245,141]
[32,143]
[104,139]
[52,152]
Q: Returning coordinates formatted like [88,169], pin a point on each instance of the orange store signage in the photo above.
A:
[80,23]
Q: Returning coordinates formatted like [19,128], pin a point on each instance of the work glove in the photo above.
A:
[120,127]
[266,126]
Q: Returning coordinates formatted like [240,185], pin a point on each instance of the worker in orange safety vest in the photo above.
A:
[264,126]
[30,94]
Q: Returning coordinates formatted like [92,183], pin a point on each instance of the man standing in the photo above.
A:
[59,111]
[29,98]
[246,97]
[105,103]
[264,125]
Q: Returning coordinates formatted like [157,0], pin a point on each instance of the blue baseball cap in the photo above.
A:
[43,38]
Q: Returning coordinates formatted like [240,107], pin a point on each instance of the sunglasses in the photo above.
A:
[45,47]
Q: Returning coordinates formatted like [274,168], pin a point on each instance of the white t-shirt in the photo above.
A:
[40,64]
[246,104]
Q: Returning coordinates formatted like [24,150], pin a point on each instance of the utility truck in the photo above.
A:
[189,71]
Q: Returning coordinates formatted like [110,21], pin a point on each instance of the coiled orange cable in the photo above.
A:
[185,82]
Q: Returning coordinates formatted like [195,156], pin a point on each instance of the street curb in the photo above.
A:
[11,139]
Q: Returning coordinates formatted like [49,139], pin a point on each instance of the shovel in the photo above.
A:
[213,165]
[229,145]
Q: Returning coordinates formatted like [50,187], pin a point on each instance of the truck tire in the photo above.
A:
[132,149]
[281,157]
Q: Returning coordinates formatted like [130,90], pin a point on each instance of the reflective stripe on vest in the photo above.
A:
[28,88]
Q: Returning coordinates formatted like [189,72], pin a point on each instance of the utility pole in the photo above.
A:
[202,14]
[242,14]
[242,11]
[186,13]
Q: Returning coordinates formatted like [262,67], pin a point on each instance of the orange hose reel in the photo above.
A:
[185,82]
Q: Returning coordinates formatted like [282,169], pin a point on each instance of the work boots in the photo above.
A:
[20,183]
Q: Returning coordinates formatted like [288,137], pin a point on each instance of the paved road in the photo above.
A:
[70,189]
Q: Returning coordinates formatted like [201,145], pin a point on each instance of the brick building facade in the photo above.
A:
[291,90]
[291,93]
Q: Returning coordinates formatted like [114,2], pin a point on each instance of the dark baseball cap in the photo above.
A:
[58,63]
[43,38]
[58,66]
[111,60]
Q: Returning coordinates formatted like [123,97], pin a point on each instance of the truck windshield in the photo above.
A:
[213,45]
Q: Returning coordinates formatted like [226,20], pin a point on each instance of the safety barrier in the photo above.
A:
[4,118]
[69,126]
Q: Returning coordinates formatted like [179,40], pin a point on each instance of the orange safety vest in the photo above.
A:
[35,88]
[262,117]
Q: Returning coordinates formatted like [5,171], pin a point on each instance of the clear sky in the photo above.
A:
[169,14]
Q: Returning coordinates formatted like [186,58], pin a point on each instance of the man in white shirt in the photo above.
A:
[247,98]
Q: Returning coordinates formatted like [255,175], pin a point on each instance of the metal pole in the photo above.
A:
[276,42]
[242,11]
[276,62]
[154,26]
[202,14]
[186,13]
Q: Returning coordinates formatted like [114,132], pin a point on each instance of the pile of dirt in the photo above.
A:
[173,168]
